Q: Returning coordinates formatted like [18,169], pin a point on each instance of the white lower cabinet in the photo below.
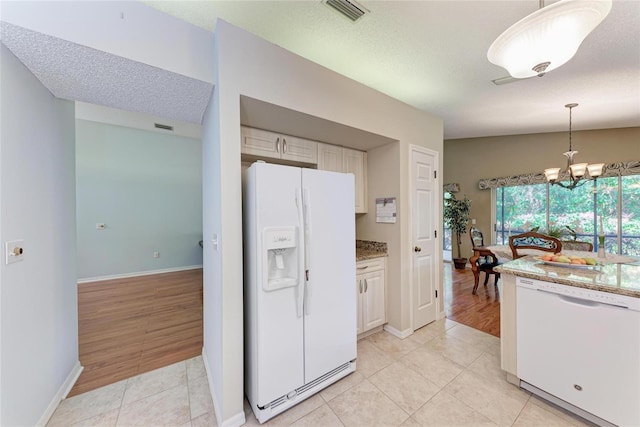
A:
[370,287]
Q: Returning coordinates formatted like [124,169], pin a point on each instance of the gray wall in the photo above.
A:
[37,203]
[147,188]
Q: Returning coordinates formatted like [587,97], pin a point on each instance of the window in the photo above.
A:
[446,235]
[556,210]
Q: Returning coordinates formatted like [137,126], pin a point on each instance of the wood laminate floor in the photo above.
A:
[135,325]
[481,311]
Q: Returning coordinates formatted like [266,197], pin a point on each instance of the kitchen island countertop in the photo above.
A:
[622,279]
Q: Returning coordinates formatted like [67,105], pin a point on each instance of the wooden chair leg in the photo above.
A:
[476,281]
[495,281]
[486,278]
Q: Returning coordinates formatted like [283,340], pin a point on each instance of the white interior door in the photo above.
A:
[424,201]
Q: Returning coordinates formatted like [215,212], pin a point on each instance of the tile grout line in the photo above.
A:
[520,412]
[186,374]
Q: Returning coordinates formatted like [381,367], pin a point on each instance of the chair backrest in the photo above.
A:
[533,240]
[575,245]
[476,237]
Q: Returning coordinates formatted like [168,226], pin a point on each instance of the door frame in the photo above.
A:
[438,240]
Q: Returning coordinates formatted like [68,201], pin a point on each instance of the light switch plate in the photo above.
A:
[14,251]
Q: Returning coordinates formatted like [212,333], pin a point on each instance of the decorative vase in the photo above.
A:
[601,253]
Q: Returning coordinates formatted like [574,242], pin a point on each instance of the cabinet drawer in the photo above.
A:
[369,265]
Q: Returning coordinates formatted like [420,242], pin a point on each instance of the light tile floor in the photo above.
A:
[445,374]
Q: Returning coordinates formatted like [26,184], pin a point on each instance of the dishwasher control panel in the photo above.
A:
[581,293]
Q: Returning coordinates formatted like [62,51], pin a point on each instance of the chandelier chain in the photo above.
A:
[570,111]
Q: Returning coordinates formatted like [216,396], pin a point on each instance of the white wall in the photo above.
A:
[250,66]
[146,187]
[37,204]
[129,29]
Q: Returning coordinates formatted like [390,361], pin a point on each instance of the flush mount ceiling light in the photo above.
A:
[547,38]
[577,171]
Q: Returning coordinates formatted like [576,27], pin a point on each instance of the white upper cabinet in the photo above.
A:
[265,144]
[346,160]
[355,162]
[262,144]
[299,150]
[329,157]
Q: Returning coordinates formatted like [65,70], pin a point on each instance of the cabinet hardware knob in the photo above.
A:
[417,249]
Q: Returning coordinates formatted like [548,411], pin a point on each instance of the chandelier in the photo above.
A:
[548,38]
[577,171]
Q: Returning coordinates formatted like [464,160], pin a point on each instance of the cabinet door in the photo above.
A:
[355,162]
[359,290]
[329,157]
[373,310]
[260,142]
[299,149]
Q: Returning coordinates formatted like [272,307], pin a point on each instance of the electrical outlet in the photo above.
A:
[14,251]
[156,254]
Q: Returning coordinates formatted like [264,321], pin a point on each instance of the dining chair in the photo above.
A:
[533,240]
[483,260]
[576,245]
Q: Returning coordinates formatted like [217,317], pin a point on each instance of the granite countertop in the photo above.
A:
[367,249]
[622,279]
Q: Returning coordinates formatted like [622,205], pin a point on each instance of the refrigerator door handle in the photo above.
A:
[301,266]
[306,203]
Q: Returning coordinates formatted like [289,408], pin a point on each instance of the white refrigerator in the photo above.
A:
[299,284]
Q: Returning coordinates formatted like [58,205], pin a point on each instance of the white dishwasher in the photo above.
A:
[582,347]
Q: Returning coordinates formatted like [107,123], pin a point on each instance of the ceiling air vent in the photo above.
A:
[163,127]
[349,9]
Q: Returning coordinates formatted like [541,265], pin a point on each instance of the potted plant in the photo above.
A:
[456,217]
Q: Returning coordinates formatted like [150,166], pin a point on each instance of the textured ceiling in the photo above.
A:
[432,55]
[429,54]
[78,73]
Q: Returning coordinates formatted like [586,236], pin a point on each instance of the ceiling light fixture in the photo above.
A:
[577,171]
[547,38]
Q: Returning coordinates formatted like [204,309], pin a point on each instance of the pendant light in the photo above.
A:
[577,171]
[548,38]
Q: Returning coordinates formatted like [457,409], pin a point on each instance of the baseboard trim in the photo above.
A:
[138,273]
[400,334]
[62,393]
[238,419]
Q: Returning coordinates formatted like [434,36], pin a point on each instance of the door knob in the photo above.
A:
[417,249]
